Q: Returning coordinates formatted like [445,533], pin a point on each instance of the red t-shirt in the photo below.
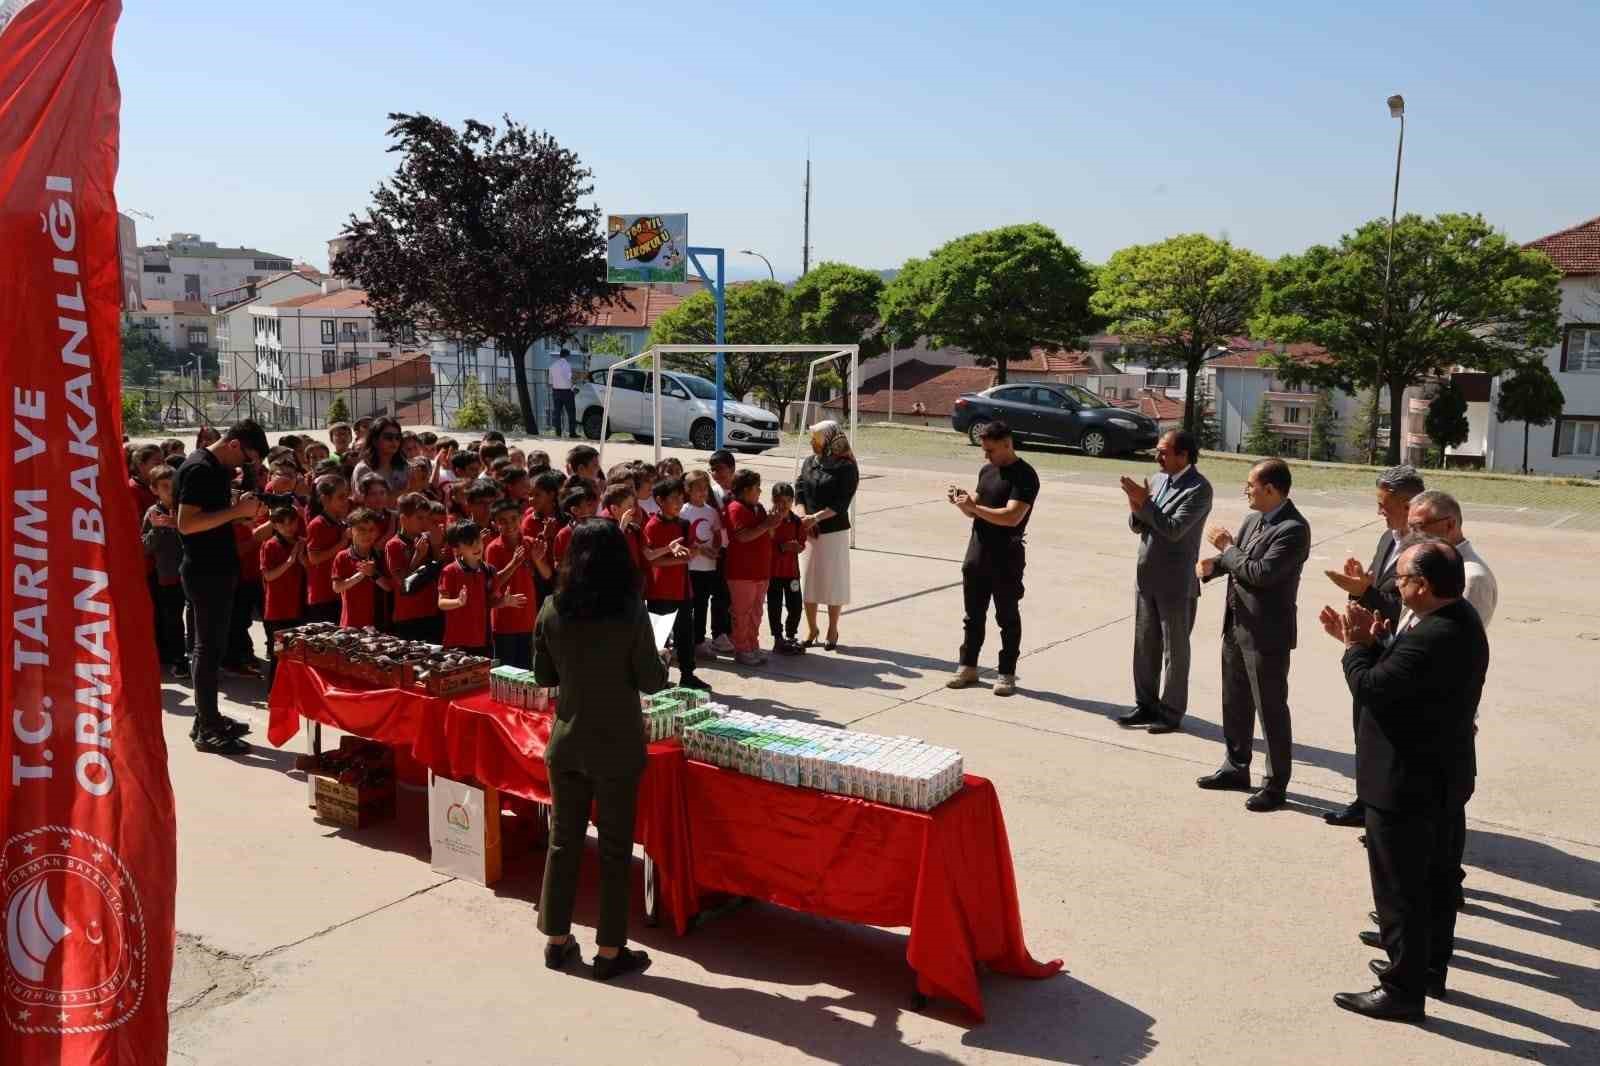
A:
[423,603]
[558,550]
[669,583]
[512,619]
[786,564]
[359,601]
[143,500]
[467,626]
[634,535]
[752,559]
[284,596]
[244,538]
[322,534]
[536,526]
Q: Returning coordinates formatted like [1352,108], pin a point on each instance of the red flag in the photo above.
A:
[87,848]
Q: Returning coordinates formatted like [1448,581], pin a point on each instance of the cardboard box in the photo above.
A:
[351,806]
[464,830]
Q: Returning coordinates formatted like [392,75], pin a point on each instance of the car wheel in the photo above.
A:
[975,431]
[643,438]
[1093,442]
[703,435]
[591,423]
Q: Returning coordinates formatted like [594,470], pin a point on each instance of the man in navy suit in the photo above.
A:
[1169,518]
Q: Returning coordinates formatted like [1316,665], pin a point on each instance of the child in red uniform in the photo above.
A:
[283,578]
[748,563]
[416,613]
[783,589]
[359,576]
[577,503]
[326,537]
[621,507]
[164,548]
[467,592]
[374,495]
[514,561]
[240,655]
[667,551]
[480,496]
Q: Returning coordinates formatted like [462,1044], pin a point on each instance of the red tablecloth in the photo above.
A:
[478,738]
[390,715]
[946,874]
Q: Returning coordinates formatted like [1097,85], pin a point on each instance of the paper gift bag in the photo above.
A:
[464,830]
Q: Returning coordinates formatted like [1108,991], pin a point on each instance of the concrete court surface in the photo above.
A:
[1192,930]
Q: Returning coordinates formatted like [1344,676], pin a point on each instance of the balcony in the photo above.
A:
[358,336]
[1301,399]
[1290,429]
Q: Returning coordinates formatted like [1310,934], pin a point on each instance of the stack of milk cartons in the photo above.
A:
[517,687]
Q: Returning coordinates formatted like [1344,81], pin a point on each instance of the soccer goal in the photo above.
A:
[817,354]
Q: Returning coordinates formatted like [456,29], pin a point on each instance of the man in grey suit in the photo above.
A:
[1169,518]
[1258,631]
[1376,587]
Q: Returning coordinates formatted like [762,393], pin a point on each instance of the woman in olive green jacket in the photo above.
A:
[595,641]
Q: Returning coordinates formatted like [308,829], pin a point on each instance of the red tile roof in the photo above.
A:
[342,300]
[1248,354]
[408,368]
[1155,403]
[641,305]
[179,307]
[1575,250]
[1041,361]
[935,387]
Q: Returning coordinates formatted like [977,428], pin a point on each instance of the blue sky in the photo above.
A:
[1112,123]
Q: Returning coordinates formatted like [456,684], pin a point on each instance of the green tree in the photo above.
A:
[998,294]
[480,233]
[757,313]
[144,357]
[1530,396]
[838,304]
[1321,444]
[1359,435]
[1446,422]
[609,344]
[338,410]
[1259,438]
[1178,299]
[474,411]
[134,419]
[1462,294]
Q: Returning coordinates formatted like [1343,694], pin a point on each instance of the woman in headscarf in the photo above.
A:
[824,490]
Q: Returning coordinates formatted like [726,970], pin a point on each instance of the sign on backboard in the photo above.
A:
[647,249]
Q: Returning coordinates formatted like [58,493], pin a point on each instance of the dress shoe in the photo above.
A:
[1380,1003]
[1226,779]
[1164,725]
[1353,815]
[1138,716]
[1266,799]
[1435,986]
[1370,937]
[1372,916]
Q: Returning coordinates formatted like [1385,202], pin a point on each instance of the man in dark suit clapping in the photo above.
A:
[1415,766]
[1169,518]
[1258,631]
[1374,587]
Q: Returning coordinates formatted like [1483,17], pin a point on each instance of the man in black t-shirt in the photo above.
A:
[210,569]
[992,569]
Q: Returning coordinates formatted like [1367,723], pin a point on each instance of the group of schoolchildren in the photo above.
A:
[465,555]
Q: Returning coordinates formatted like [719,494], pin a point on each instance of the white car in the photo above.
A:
[688,411]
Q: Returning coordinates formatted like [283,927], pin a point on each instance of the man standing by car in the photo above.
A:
[210,569]
[1170,520]
[996,557]
[562,398]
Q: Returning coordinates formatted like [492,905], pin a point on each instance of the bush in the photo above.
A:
[133,416]
[507,412]
[338,411]
[475,412]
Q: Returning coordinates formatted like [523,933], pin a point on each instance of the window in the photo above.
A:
[1291,415]
[327,331]
[330,359]
[274,265]
[1162,379]
[1578,436]
[1051,398]
[1013,394]
[199,336]
[1580,354]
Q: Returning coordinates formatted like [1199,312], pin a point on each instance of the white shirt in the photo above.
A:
[1483,592]
[649,506]
[705,526]
[560,374]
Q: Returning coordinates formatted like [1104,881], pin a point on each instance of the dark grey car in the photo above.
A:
[1058,413]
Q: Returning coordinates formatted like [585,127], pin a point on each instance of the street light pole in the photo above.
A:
[770,275]
[1397,109]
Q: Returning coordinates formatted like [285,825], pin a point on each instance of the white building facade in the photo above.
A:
[235,324]
[188,268]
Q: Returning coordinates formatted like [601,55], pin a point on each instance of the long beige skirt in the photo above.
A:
[827,579]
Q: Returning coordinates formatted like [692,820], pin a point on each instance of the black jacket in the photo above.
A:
[828,484]
[1264,580]
[1418,696]
[1383,595]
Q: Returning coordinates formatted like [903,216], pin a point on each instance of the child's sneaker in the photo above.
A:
[748,658]
[723,644]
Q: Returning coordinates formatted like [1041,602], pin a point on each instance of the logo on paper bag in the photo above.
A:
[457,816]
[75,957]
